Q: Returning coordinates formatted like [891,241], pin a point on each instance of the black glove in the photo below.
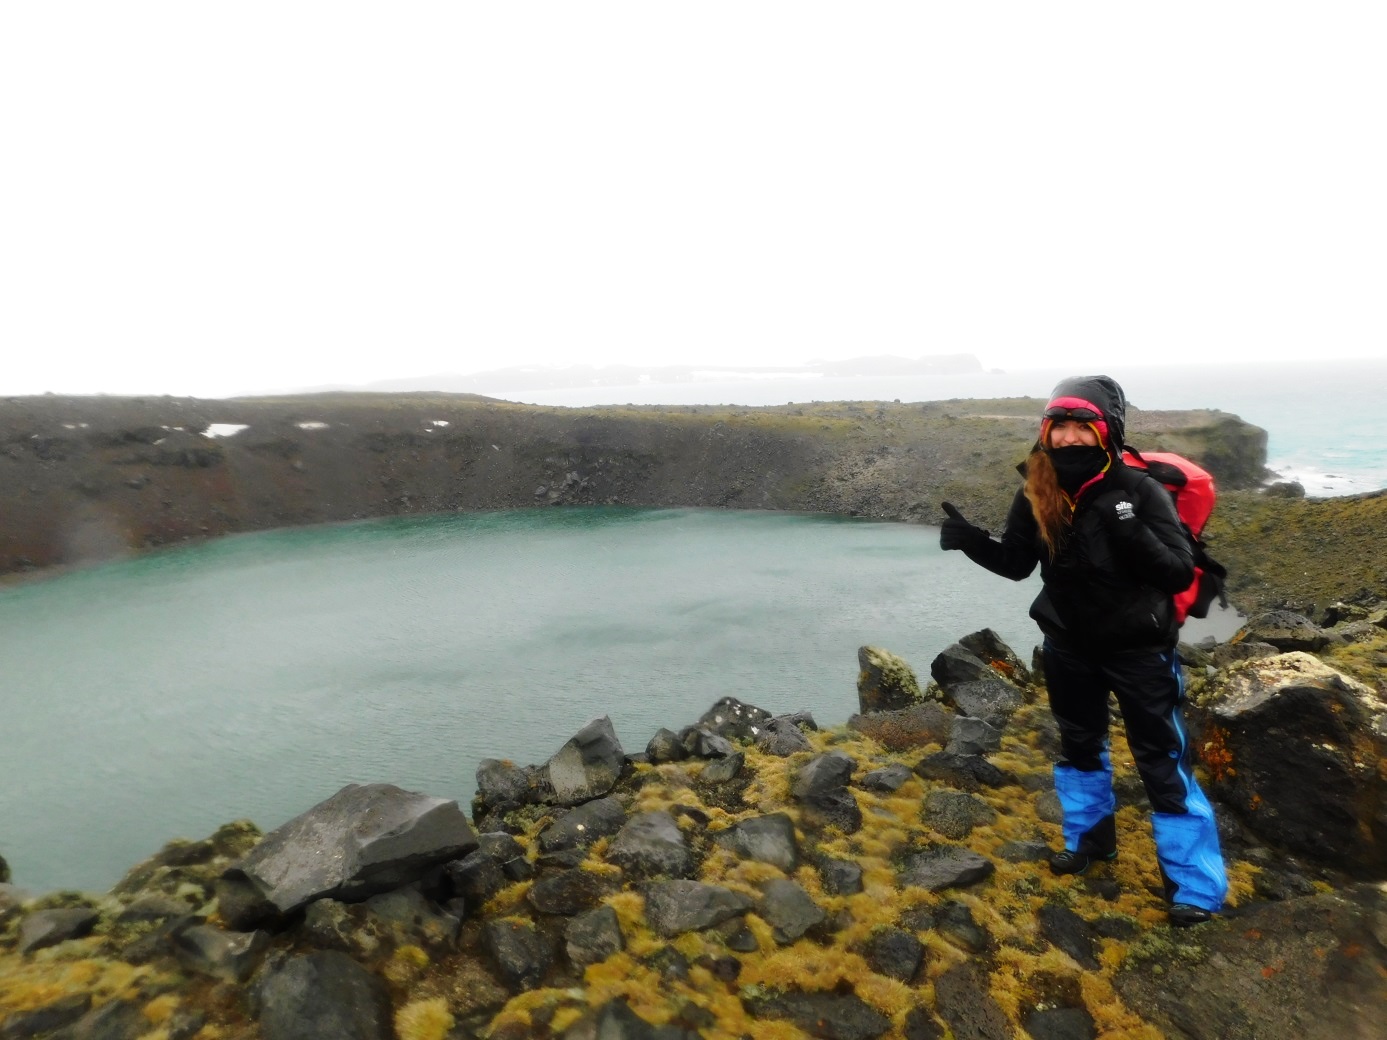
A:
[958,533]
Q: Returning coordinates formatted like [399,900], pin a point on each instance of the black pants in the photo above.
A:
[1148,691]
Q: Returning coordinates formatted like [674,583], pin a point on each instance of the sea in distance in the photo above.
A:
[251,677]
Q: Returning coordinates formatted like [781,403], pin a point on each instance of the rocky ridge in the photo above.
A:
[750,874]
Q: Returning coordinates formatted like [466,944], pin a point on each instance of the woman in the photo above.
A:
[1112,554]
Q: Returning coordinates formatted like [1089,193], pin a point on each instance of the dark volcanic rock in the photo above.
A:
[895,953]
[664,747]
[993,700]
[652,845]
[821,787]
[1312,968]
[947,866]
[927,723]
[733,720]
[768,839]
[969,772]
[229,956]
[993,651]
[788,909]
[962,999]
[49,927]
[586,767]
[829,1015]
[885,682]
[581,826]
[324,996]
[1293,746]
[672,907]
[593,936]
[362,840]
[972,736]
[954,814]
[1284,630]
[1069,932]
[887,780]
[783,737]
[569,892]
[522,955]
[47,1019]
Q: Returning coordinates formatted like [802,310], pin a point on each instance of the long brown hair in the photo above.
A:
[1051,507]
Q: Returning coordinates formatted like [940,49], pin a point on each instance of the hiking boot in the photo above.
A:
[1066,862]
[1182,915]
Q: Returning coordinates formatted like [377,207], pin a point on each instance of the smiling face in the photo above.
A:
[1068,433]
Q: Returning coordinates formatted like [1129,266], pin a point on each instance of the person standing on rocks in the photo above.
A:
[1112,555]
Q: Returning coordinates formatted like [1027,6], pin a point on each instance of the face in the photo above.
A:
[1068,433]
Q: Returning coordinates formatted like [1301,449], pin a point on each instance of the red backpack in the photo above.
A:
[1194,493]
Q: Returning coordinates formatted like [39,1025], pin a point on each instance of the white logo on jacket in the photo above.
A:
[1125,511]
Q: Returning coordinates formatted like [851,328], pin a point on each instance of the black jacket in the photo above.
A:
[1110,588]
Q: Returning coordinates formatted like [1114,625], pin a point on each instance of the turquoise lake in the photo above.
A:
[252,677]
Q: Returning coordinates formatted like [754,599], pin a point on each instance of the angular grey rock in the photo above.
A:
[1285,630]
[885,682]
[508,852]
[946,866]
[1024,851]
[664,747]
[734,720]
[993,700]
[766,839]
[228,956]
[673,907]
[521,954]
[701,742]
[323,996]
[1067,931]
[840,877]
[407,918]
[821,788]
[114,1020]
[44,928]
[782,738]
[581,826]
[652,845]
[888,779]
[970,736]
[954,921]
[721,770]
[476,878]
[895,953]
[330,925]
[1048,807]
[48,1019]
[1061,1023]
[963,1000]
[954,814]
[593,936]
[993,651]
[569,892]
[586,767]
[363,840]
[840,1016]
[957,664]
[504,783]
[788,909]
[969,772]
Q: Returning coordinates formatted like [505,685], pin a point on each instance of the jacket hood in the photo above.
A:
[1103,395]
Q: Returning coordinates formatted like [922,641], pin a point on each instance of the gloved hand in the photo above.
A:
[957,533]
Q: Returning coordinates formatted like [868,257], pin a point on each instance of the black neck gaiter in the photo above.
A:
[1077,465]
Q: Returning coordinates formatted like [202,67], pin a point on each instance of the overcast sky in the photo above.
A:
[213,199]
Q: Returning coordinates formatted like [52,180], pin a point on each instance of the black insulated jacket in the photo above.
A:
[1110,587]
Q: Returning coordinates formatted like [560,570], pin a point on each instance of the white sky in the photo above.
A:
[213,199]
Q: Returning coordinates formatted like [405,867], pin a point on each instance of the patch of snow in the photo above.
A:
[311,425]
[224,429]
